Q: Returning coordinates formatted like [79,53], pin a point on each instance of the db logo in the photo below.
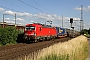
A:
[87,59]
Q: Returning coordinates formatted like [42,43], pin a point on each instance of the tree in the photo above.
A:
[89,31]
[8,35]
[85,31]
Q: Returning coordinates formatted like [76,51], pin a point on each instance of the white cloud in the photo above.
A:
[56,20]
[66,18]
[9,12]
[6,18]
[10,21]
[76,18]
[47,16]
[14,19]
[20,19]
[43,16]
[20,23]
[84,8]
[23,14]
[1,9]
[77,8]
[31,21]
[88,8]
[55,17]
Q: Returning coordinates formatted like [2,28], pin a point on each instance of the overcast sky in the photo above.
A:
[41,11]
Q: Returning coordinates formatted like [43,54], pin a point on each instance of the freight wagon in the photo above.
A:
[61,32]
[72,33]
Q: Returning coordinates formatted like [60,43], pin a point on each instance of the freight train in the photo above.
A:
[38,32]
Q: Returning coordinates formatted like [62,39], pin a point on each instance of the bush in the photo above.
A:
[8,35]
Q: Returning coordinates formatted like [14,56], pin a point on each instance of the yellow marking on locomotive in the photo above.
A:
[60,31]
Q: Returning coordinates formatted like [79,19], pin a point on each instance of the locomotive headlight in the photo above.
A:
[26,34]
[31,34]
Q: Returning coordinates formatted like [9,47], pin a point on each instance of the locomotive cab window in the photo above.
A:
[30,28]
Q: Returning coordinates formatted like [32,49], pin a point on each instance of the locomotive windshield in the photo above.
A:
[30,28]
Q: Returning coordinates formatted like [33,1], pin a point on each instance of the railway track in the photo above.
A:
[13,51]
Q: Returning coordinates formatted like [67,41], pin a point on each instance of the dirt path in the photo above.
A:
[13,51]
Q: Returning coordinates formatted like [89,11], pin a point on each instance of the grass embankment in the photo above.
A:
[75,49]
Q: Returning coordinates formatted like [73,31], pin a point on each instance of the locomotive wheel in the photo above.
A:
[36,40]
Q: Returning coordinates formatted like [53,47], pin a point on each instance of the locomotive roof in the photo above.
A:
[43,25]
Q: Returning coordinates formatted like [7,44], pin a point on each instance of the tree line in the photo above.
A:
[85,31]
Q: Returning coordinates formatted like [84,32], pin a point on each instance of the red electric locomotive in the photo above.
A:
[36,32]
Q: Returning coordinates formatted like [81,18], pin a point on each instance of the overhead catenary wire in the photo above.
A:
[13,4]
[27,5]
[20,7]
[10,9]
[41,6]
[20,11]
[31,6]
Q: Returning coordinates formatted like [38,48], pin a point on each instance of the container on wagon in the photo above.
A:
[61,32]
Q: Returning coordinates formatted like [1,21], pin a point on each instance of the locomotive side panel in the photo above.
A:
[48,33]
